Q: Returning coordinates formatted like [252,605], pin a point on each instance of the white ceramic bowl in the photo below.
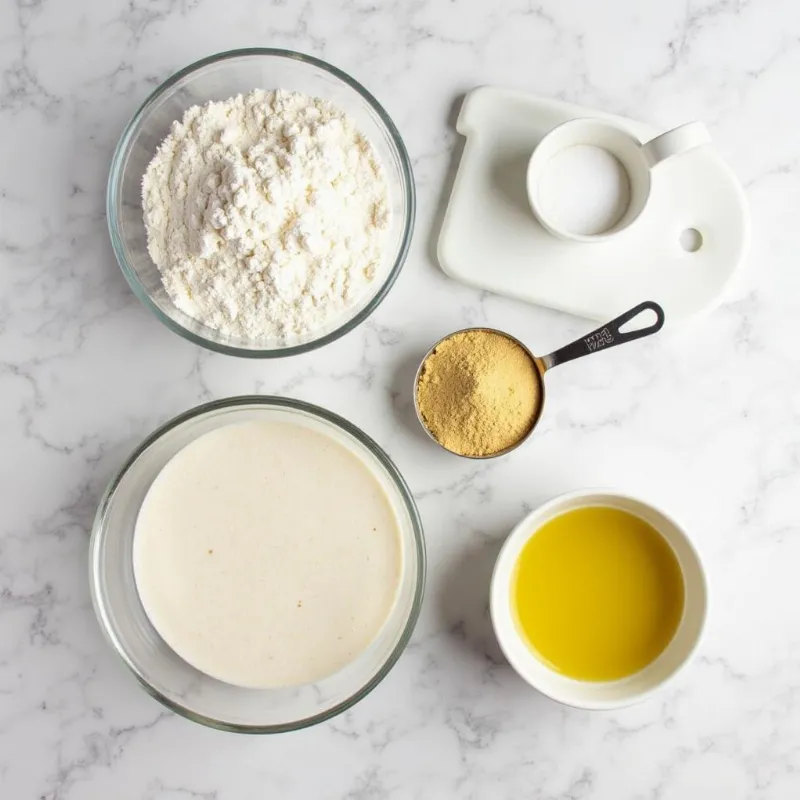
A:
[610,694]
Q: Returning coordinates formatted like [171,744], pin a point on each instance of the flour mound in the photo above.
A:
[266,214]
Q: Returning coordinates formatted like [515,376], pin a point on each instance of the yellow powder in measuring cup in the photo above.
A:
[478,393]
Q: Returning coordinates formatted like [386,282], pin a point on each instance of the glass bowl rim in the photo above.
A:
[115,177]
[99,532]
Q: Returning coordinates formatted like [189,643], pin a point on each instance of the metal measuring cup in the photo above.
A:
[608,335]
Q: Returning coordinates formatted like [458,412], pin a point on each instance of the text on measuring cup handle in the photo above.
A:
[599,339]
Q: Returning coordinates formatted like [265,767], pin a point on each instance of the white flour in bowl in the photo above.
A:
[266,214]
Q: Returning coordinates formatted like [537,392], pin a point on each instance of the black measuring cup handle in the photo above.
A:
[608,335]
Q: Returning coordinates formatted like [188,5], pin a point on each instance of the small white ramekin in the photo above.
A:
[610,694]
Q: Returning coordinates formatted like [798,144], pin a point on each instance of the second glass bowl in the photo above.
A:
[218,78]
[170,679]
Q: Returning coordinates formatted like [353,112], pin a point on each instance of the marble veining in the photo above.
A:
[704,420]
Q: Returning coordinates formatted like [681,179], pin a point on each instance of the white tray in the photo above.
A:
[490,239]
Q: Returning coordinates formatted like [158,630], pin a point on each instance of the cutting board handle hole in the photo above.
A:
[691,240]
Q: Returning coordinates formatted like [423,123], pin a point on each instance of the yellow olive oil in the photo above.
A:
[597,593]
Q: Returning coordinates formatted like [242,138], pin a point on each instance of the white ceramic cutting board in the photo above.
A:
[490,239]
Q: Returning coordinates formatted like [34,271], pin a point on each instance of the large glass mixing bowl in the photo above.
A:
[218,78]
[168,677]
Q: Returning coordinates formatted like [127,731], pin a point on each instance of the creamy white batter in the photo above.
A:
[267,554]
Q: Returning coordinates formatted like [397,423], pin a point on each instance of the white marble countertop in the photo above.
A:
[704,420]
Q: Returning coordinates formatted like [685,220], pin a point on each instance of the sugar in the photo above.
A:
[584,189]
